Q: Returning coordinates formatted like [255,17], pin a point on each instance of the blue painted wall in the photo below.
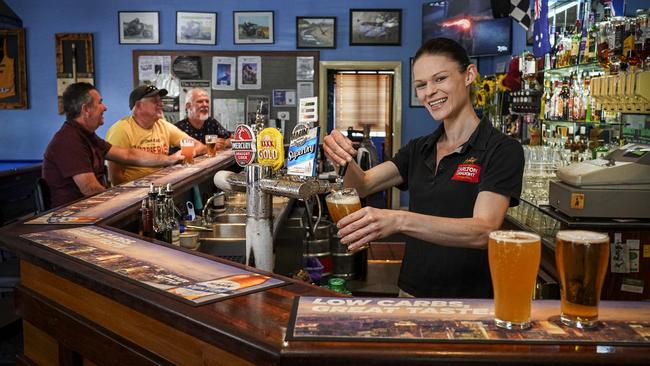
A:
[25,133]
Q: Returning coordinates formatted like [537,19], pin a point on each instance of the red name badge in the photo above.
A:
[467,173]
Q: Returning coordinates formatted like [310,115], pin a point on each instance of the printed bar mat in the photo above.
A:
[457,321]
[182,275]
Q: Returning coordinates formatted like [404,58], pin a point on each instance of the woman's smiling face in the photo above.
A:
[441,86]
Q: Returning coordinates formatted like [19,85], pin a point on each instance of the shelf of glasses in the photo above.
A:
[567,70]
[528,217]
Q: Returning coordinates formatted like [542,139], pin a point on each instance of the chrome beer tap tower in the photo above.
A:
[261,181]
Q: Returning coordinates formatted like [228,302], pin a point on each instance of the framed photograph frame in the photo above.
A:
[375,27]
[315,32]
[196,27]
[253,27]
[13,90]
[74,61]
[138,27]
[413,96]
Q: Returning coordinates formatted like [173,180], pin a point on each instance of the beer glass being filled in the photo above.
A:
[514,258]
[342,202]
[213,143]
[187,149]
[581,258]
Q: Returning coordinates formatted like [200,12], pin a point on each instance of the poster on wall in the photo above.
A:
[223,73]
[229,112]
[304,68]
[13,71]
[284,97]
[255,102]
[305,89]
[249,72]
[186,86]
[151,68]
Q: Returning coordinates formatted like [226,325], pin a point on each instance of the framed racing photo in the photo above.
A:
[253,27]
[315,32]
[375,27]
[139,27]
[196,28]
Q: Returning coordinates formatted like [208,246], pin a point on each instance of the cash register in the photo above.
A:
[616,186]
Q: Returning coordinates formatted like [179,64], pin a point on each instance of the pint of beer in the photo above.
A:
[342,202]
[514,258]
[187,149]
[581,258]
[212,143]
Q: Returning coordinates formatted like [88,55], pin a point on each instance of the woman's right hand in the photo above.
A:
[338,148]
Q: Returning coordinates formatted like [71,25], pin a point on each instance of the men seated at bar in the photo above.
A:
[198,122]
[145,129]
[73,163]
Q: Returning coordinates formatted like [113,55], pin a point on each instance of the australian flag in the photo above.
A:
[541,44]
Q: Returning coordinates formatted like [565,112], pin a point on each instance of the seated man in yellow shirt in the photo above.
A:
[145,129]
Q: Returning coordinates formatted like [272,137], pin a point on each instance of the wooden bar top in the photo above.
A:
[73,308]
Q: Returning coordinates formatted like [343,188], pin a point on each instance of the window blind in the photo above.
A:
[363,99]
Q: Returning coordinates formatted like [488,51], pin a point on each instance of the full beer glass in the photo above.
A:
[514,258]
[581,258]
[212,143]
[187,149]
[342,202]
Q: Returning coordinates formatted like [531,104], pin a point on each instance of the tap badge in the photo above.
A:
[270,148]
[243,145]
[303,151]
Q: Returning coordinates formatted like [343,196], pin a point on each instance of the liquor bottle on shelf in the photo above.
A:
[147,213]
[574,56]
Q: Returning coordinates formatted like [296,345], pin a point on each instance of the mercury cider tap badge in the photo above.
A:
[303,151]
[270,148]
[243,145]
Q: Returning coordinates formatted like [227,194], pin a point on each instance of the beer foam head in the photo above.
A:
[343,200]
[582,236]
[517,237]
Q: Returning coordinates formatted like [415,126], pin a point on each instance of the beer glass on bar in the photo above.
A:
[212,143]
[581,258]
[514,258]
[187,149]
[342,202]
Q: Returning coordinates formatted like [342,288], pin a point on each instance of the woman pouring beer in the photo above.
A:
[461,179]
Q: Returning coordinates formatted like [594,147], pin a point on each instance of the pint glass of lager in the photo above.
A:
[342,202]
[581,258]
[213,143]
[187,149]
[514,258]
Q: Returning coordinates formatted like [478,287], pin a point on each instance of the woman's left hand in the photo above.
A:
[361,227]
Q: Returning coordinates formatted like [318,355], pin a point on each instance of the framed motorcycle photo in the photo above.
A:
[139,27]
[196,28]
[253,27]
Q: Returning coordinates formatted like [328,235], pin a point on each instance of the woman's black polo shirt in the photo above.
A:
[489,161]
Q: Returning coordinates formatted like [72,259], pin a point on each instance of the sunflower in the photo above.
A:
[500,87]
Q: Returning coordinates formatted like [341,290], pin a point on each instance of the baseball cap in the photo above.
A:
[144,91]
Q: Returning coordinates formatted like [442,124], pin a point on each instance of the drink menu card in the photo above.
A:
[175,173]
[457,320]
[190,278]
[93,209]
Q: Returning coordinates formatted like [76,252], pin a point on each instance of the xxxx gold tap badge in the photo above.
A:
[270,148]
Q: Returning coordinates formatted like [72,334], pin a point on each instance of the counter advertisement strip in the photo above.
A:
[457,320]
[175,173]
[182,275]
[92,209]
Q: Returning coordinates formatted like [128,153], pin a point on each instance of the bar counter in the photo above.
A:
[75,313]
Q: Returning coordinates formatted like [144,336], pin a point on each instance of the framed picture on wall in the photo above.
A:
[413,96]
[13,73]
[253,27]
[315,32]
[139,27]
[196,27]
[375,27]
[74,61]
